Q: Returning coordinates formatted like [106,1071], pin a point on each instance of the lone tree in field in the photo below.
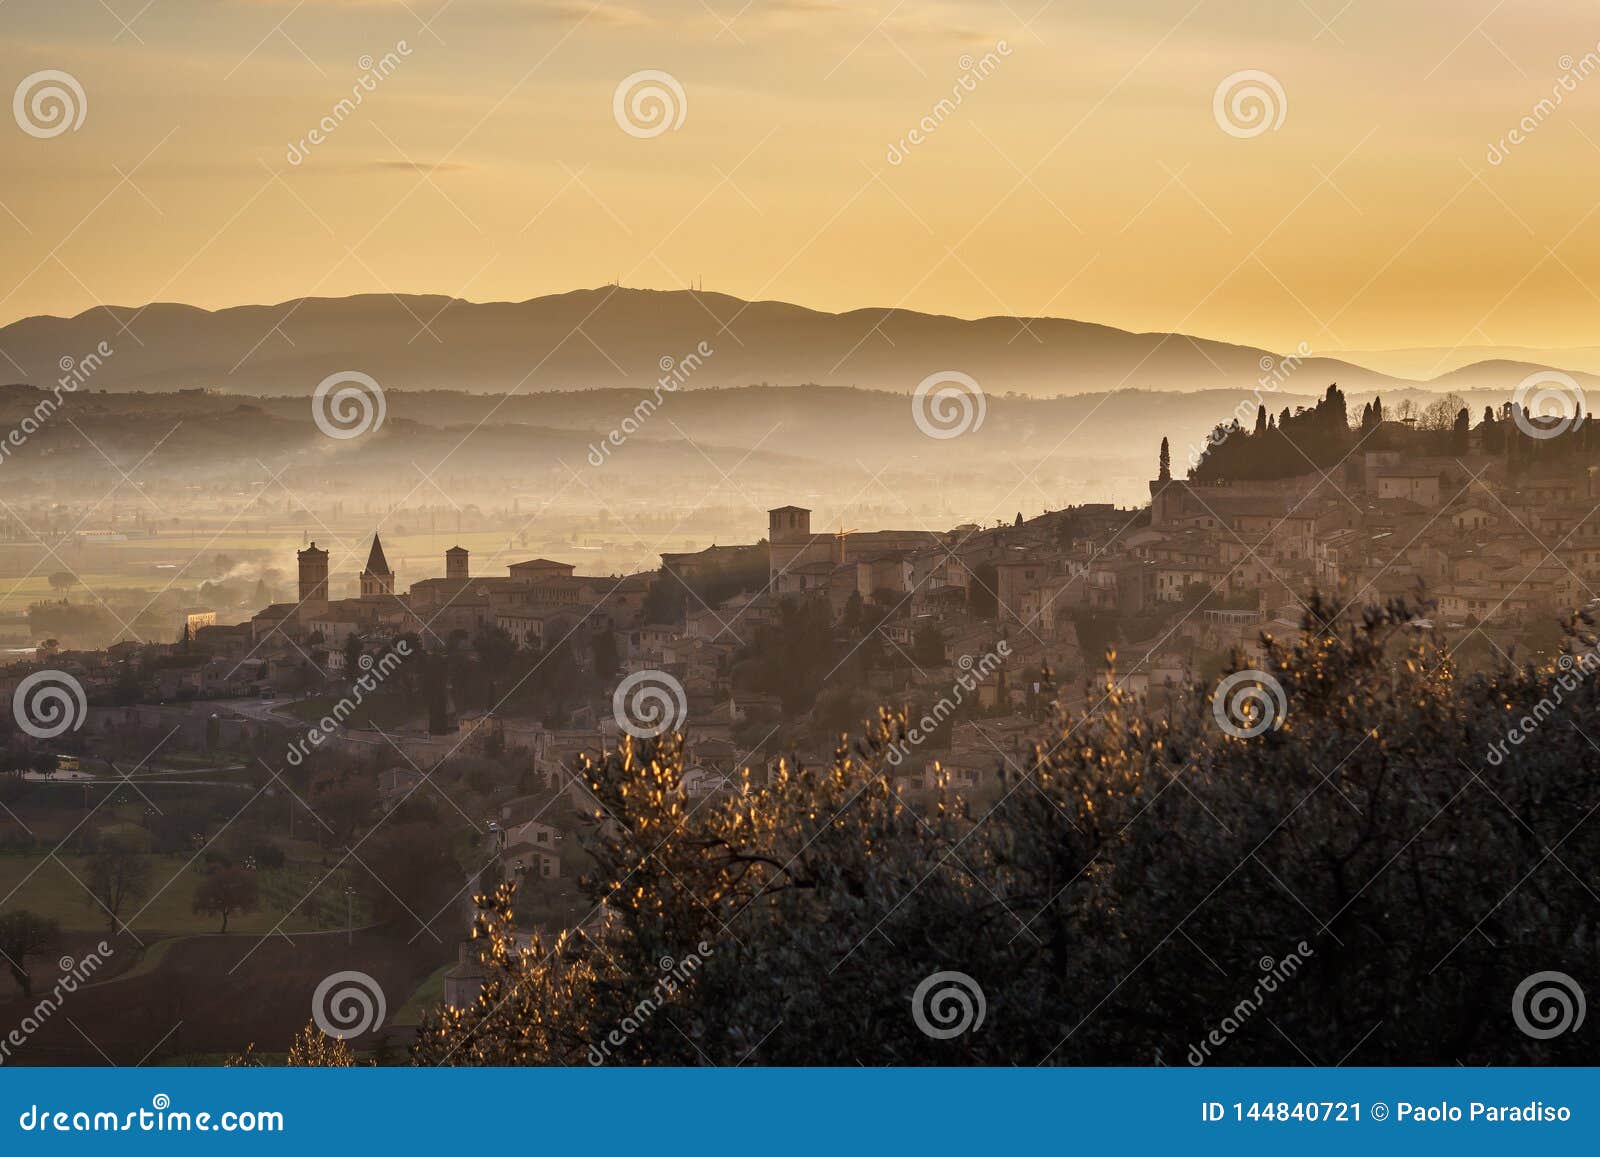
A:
[119,874]
[24,934]
[226,891]
[63,580]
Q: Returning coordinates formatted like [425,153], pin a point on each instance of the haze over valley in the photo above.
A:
[557,426]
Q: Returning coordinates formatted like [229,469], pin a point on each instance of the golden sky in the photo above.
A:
[1084,174]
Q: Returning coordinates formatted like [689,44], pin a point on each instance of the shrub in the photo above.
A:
[1120,903]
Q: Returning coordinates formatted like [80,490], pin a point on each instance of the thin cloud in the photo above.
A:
[346,167]
[939,22]
[420,166]
[609,15]
[510,11]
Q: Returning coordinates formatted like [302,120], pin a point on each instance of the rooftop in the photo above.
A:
[376,563]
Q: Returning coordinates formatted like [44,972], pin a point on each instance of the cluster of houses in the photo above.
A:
[533,602]
[1203,569]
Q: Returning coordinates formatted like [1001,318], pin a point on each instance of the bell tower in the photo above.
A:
[790,542]
[313,575]
[377,579]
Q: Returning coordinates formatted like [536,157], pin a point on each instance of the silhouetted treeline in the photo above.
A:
[1287,443]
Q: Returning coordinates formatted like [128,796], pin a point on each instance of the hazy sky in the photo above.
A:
[1086,175]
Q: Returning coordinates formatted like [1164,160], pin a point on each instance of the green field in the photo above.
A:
[43,885]
[21,591]
[426,997]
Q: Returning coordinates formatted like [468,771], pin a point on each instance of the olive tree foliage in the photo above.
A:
[311,1048]
[1116,900]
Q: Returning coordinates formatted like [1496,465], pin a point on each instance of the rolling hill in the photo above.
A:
[618,338]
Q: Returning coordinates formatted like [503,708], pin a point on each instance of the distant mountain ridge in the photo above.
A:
[613,337]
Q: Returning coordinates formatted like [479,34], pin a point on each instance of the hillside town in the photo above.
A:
[810,536]
[1171,589]
[457,714]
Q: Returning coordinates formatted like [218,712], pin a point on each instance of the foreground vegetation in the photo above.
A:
[1122,899]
